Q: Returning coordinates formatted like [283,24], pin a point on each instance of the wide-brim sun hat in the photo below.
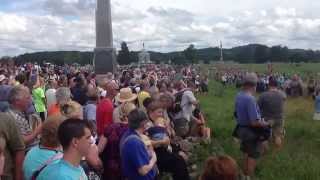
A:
[126,95]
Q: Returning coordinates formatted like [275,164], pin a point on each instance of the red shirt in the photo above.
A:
[104,115]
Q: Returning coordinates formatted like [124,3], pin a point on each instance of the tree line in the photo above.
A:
[252,53]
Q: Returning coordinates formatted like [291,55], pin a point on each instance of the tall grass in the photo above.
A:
[299,159]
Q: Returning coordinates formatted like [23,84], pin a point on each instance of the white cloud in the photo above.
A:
[291,12]
[164,25]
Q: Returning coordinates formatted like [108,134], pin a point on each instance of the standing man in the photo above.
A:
[75,138]
[271,104]
[20,101]
[12,147]
[249,120]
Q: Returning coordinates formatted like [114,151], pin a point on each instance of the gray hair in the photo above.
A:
[63,95]
[17,93]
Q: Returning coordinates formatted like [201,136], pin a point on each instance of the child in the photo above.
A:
[159,131]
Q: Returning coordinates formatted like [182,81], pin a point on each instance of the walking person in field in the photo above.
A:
[271,104]
[250,126]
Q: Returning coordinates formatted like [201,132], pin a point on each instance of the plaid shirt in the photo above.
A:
[24,125]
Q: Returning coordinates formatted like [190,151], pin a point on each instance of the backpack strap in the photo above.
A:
[49,161]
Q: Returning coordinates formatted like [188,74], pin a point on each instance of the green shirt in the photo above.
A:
[38,99]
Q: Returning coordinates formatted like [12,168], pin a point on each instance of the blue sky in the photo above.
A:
[164,25]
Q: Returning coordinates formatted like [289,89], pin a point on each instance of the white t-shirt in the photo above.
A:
[51,97]
[186,105]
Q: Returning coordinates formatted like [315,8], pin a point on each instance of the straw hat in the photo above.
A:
[126,95]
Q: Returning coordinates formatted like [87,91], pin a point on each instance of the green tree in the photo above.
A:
[178,59]
[190,54]
[275,53]
[124,54]
[261,54]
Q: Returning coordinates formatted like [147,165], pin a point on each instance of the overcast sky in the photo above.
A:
[164,25]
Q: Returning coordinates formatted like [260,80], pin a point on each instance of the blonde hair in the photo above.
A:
[160,121]
[49,135]
[72,109]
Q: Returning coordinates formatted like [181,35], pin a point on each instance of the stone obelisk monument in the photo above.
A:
[104,53]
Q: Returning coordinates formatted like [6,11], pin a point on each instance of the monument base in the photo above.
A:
[104,60]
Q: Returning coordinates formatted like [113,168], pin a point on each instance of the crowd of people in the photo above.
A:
[67,123]
[293,85]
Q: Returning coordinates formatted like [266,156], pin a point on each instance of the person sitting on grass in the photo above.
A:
[168,160]
[136,161]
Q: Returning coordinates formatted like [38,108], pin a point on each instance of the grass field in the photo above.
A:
[298,160]
[303,69]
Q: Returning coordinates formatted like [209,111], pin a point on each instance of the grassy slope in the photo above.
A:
[298,160]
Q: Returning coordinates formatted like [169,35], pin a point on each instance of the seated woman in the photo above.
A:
[48,151]
[168,160]
[220,168]
[167,102]
[109,144]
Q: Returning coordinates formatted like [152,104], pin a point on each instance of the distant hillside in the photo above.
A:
[252,53]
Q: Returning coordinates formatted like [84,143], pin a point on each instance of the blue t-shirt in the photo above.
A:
[35,159]
[134,155]
[89,111]
[317,104]
[246,108]
[62,171]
